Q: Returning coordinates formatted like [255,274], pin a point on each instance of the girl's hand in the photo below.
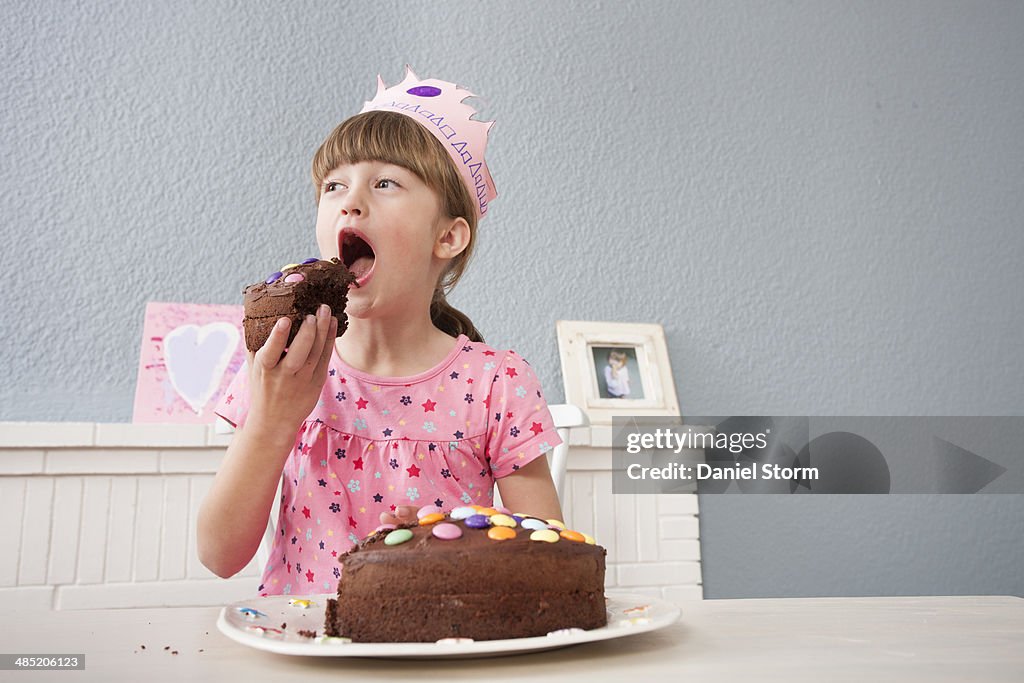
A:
[403,514]
[286,386]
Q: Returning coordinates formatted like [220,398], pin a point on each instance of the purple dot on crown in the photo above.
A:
[424,91]
[274,277]
[310,260]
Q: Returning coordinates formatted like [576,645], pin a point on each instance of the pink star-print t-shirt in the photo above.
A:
[373,443]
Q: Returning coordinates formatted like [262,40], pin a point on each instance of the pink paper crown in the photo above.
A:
[438,107]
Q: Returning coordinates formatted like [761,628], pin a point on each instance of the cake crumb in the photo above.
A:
[306,633]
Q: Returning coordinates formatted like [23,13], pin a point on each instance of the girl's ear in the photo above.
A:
[453,240]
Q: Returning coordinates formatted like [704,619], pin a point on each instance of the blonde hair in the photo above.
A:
[618,355]
[395,138]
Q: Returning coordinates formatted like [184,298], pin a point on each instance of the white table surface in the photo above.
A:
[963,638]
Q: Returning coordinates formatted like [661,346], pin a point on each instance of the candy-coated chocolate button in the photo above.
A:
[487,511]
[504,510]
[385,527]
[250,613]
[427,510]
[274,277]
[556,522]
[502,520]
[531,523]
[294,277]
[290,265]
[397,537]
[478,521]
[432,518]
[446,531]
[462,512]
[589,539]
[546,535]
[500,533]
[309,260]
[572,535]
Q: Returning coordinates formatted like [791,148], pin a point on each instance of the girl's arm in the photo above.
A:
[234,514]
[284,390]
[531,490]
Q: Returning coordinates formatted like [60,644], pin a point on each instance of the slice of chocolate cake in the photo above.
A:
[295,291]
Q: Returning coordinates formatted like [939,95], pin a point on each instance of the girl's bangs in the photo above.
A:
[379,136]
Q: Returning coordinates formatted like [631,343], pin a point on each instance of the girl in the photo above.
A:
[616,374]
[409,407]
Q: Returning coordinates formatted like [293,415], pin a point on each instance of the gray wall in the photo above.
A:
[821,202]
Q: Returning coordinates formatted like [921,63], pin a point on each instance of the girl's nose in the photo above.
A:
[352,204]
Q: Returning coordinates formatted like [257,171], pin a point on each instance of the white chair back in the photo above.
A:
[566,416]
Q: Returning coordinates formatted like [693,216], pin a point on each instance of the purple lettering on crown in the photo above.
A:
[460,148]
[437,119]
[427,114]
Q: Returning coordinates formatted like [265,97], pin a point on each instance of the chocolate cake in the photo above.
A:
[473,573]
[295,291]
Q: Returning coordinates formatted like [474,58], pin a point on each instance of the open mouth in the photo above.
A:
[356,254]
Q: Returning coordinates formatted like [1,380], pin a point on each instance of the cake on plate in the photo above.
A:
[295,291]
[474,573]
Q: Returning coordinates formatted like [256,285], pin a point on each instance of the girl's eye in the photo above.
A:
[330,187]
[385,183]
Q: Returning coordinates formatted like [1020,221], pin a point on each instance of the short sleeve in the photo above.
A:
[234,404]
[521,427]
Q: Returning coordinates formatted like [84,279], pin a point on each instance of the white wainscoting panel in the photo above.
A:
[653,541]
[104,515]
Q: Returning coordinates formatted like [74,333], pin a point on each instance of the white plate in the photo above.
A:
[257,623]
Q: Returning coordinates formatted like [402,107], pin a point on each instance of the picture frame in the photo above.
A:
[613,368]
[188,357]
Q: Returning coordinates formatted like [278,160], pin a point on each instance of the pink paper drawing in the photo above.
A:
[190,353]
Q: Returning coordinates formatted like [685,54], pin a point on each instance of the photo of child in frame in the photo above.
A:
[617,372]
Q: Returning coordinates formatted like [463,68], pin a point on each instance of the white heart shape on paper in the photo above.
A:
[196,358]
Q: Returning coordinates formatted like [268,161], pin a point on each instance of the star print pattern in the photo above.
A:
[487,419]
